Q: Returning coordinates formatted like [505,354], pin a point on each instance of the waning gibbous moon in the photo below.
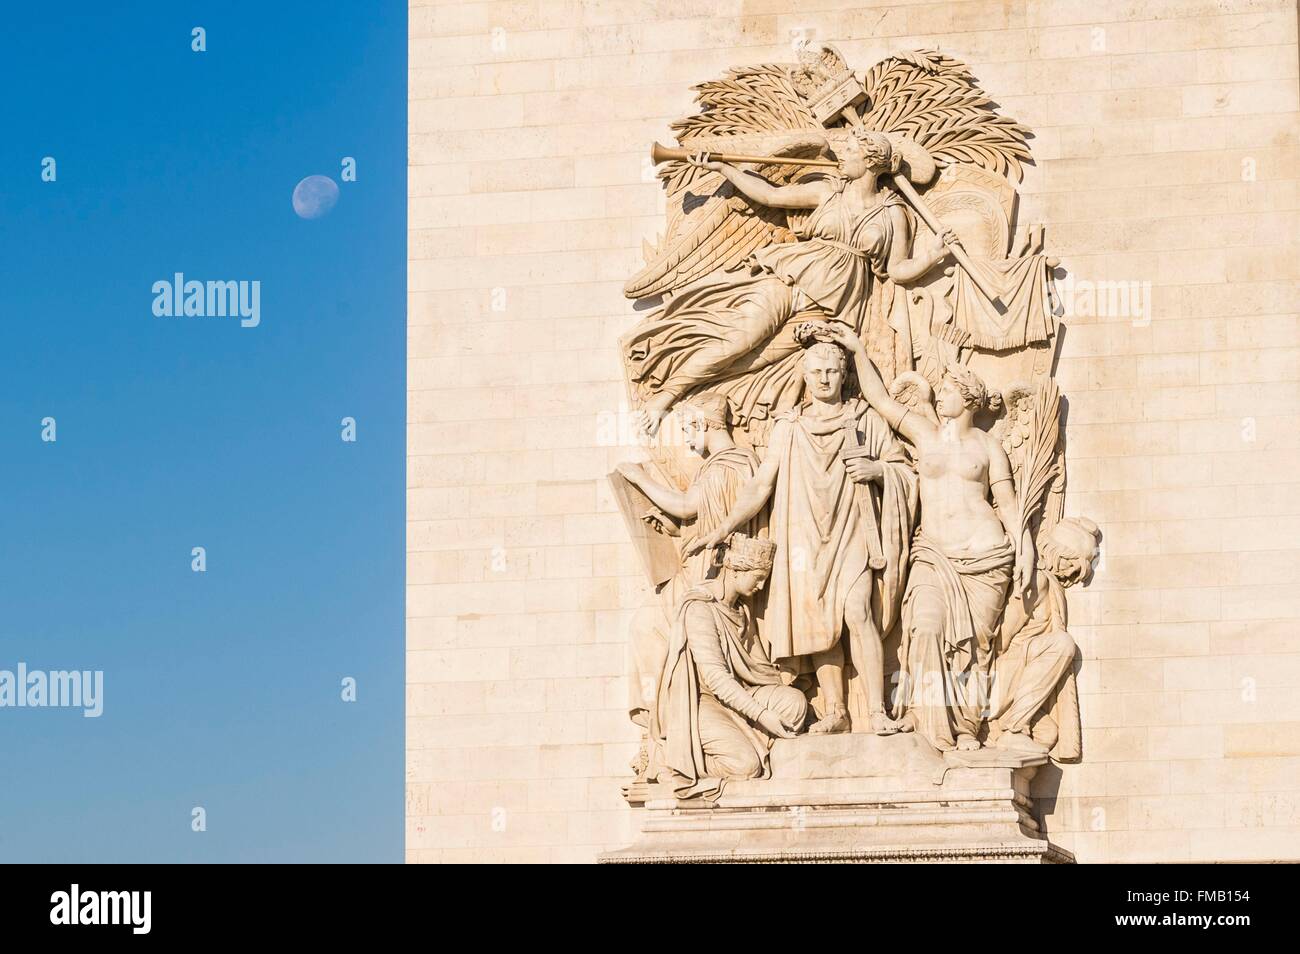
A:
[314,196]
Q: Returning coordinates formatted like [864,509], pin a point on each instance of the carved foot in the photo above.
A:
[836,720]
[967,743]
[881,724]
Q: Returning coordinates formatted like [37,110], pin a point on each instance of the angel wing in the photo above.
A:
[753,111]
[932,98]
[924,95]
[914,391]
[1012,429]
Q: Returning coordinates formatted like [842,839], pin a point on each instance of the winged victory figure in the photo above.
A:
[755,248]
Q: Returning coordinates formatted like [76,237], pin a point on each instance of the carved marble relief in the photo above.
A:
[862,529]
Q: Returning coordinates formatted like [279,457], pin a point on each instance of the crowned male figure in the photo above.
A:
[843,503]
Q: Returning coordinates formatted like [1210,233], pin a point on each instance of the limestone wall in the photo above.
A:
[1166,154]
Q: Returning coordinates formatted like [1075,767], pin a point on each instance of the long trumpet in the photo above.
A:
[660,153]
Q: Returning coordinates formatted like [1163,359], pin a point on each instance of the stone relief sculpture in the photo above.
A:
[845,308]
[748,249]
[843,500]
[852,243]
[721,700]
[963,559]
[1036,706]
[688,515]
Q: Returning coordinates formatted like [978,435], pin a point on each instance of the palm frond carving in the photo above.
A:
[1038,461]
[932,98]
[758,110]
[748,100]
[753,110]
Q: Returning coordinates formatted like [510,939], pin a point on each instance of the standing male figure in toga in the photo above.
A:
[842,524]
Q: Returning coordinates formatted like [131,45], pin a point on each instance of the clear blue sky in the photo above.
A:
[222,689]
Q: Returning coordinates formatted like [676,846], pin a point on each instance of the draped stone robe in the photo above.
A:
[831,530]
[733,329]
[1034,685]
[717,681]
[718,481]
[944,681]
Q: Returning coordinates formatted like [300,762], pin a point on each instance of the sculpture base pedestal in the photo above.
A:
[853,798]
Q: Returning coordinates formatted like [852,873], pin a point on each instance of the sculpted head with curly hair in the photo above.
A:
[867,152]
[962,390]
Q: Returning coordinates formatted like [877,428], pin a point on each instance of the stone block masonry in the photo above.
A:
[1167,161]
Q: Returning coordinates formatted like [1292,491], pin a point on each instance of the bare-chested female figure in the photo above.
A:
[962,560]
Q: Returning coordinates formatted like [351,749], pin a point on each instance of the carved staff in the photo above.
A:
[904,186]
[660,153]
